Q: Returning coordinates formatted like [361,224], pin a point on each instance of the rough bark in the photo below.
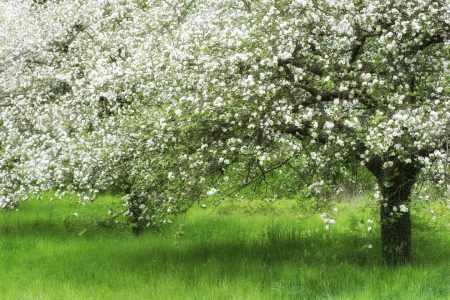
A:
[396,183]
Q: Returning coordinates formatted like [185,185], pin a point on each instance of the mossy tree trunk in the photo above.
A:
[396,183]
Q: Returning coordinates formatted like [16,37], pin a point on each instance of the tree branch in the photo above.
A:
[300,64]
[247,6]
[356,49]
[426,42]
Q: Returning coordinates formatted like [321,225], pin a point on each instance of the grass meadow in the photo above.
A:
[240,250]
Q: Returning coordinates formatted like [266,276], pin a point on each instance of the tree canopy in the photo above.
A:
[175,100]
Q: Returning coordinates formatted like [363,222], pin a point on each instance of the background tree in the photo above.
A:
[225,96]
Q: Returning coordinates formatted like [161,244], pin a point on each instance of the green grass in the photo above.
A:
[233,252]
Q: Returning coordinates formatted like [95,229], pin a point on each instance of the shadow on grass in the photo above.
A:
[268,246]
[280,260]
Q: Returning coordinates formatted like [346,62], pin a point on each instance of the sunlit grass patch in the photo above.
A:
[211,255]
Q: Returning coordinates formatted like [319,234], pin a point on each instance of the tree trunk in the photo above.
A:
[395,232]
[396,183]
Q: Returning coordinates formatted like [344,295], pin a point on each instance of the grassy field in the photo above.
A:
[238,251]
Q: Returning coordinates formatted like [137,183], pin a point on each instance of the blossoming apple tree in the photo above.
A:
[175,100]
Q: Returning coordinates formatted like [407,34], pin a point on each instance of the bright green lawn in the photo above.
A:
[217,255]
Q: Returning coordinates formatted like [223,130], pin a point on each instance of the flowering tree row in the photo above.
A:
[175,100]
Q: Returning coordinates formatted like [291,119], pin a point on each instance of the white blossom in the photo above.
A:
[212,192]
[403,208]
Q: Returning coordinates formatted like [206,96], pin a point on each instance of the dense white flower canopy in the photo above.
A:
[175,100]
